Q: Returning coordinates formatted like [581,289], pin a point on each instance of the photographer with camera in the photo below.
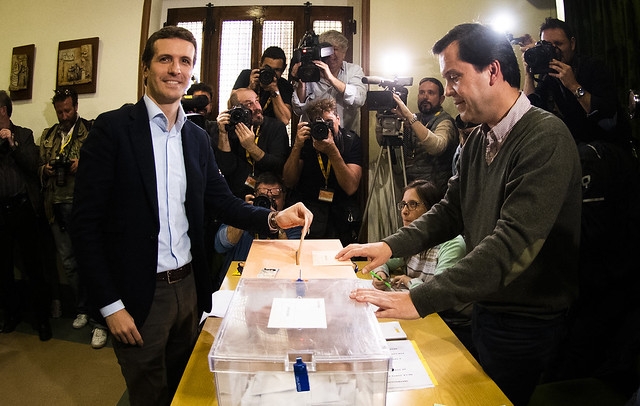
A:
[430,137]
[339,80]
[575,87]
[59,154]
[247,143]
[272,89]
[197,104]
[20,215]
[324,171]
[581,91]
[235,242]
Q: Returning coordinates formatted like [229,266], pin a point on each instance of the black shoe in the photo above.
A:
[10,324]
[44,331]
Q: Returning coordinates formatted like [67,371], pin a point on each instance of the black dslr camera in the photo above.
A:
[240,114]
[320,129]
[60,165]
[310,49]
[266,75]
[264,201]
[538,57]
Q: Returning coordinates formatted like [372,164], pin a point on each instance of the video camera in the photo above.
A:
[538,57]
[195,108]
[310,49]
[382,100]
[197,104]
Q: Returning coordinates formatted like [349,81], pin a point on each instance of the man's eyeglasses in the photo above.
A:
[273,191]
[411,204]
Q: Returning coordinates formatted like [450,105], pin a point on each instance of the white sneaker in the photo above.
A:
[80,321]
[99,338]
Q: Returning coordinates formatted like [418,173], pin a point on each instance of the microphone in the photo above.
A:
[374,80]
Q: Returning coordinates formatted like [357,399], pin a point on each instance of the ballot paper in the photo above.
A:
[326,258]
[297,313]
[409,368]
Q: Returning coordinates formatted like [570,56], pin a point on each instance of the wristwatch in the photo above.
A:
[273,224]
[413,119]
[579,92]
[275,94]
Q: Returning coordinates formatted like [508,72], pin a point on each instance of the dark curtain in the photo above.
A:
[610,30]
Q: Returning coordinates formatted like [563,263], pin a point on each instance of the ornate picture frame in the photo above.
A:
[78,64]
[21,78]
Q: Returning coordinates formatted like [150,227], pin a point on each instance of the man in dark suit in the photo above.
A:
[20,207]
[145,177]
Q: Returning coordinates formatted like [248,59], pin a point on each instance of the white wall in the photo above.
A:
[45,24]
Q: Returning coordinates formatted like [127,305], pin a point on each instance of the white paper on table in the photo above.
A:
[325,258]
[297,313]
[408,370]
[219,304]
[392,330]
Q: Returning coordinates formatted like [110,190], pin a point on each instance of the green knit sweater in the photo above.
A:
[520,217]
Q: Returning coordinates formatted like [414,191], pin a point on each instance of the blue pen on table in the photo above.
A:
[375,275]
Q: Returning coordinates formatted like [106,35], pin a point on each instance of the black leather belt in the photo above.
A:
[174,275]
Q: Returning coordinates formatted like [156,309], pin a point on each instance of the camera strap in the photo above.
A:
[249,159]
[66,138]
[326,172]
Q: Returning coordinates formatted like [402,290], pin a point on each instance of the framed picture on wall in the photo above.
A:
[21,78]
[78,64]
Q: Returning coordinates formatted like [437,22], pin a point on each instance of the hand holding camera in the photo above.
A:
[264,78]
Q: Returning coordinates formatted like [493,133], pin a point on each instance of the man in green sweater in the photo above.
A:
[516,201]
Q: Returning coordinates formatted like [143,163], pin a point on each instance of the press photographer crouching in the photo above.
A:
[324,171]
[234,242]
[247,143]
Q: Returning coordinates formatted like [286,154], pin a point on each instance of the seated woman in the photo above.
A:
[407,273]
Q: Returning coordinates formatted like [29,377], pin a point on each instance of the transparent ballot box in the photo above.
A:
[276,328]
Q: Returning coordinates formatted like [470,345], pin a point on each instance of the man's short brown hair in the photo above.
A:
[317,108]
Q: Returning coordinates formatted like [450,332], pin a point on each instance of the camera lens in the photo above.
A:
[262,201]
[266,76]
[320,130]
[240,114]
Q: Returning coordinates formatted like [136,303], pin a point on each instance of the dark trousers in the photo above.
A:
[514,350]
[152,372]
[19,229]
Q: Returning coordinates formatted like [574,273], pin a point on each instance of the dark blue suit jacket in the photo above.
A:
[115,223]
